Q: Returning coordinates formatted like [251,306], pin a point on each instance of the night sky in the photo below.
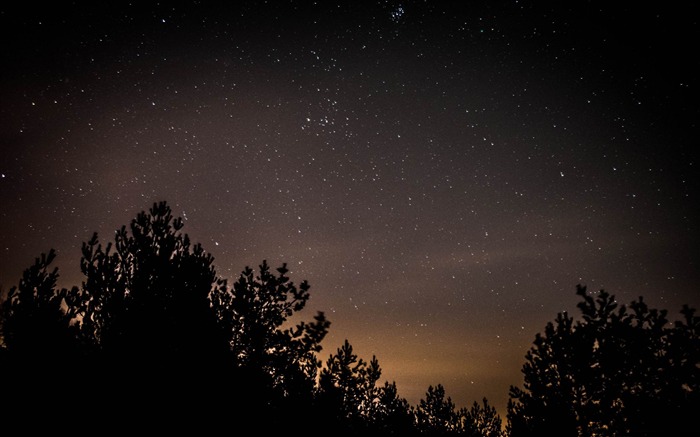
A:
[442,173]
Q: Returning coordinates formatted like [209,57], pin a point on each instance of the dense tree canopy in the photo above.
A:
[153,337]
[617,370]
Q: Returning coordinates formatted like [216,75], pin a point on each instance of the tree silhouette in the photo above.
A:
[482,420]
[153,338]
[275,366]
[353,404]
[34,324]
[39,343]
[391,414]
[347,388]
[617,371]
[145,317]
[436,414]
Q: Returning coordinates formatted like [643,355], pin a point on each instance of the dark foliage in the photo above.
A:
[39,341]
[154,340]
[154,337]
[482,420]
[617,371]
[436,414]
[275,365]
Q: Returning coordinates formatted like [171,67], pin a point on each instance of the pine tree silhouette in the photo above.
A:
[619,370]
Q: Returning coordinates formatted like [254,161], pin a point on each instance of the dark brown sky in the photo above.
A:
[442,173]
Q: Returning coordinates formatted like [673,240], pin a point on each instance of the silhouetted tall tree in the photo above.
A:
[275,362]
[391,414]
[482,420]
[145,315]
[146,304]
[39,344]
[33,324]
[347,386]
[617,371]
[437,414]
[352,404]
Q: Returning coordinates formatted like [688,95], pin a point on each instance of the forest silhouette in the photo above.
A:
[155,340]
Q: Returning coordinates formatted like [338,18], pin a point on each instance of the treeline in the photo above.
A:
[153,340]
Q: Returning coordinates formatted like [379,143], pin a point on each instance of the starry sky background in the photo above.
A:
[442,173]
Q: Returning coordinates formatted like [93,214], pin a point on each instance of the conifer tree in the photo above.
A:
[618,370]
